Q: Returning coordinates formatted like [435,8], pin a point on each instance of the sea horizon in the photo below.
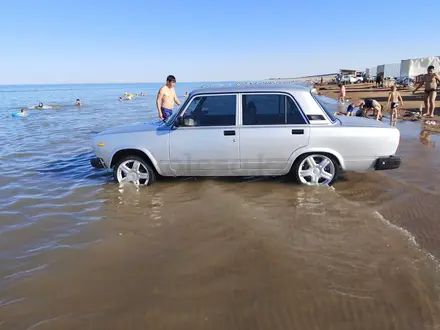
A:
[135,83]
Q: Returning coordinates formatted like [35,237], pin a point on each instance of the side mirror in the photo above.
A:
[185,122]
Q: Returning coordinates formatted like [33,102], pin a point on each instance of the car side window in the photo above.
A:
[294,115]
[270,109]
[263,109]
[212,110]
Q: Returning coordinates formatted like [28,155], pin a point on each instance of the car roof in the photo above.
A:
[277,87]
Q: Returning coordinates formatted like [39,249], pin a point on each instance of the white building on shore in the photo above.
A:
[417,66]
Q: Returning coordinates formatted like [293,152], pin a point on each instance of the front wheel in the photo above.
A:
[133,169]
[316,169]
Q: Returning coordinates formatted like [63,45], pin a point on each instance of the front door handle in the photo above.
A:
[297,131]
[228,133]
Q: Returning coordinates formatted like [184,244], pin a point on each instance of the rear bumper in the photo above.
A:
[387,163]
[97,163]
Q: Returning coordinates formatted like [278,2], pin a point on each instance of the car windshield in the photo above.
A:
[328,104]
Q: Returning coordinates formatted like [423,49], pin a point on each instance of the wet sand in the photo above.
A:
[77,251]
[237,253]
[216,254]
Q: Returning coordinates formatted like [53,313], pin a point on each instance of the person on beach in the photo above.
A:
[394,100]
[166,97]
[351,108]
[430,81]
[341,97]
[377,81]
[369,105]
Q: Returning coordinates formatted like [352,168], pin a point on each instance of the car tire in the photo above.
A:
[133,169]
[323,170]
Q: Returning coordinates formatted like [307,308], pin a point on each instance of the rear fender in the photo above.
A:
[307,150]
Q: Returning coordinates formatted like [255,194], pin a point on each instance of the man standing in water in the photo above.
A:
[166,97]
[430,82]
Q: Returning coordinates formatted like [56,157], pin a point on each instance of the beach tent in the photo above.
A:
[380,69]
[414,67]
[391,70]
[372,71]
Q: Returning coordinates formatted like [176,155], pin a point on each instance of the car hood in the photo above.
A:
[361,122]
[142,127]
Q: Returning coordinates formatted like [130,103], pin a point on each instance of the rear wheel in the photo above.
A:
[316,169]
[133,169]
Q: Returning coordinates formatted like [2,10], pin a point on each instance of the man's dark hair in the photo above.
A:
[431,67]
[171,78]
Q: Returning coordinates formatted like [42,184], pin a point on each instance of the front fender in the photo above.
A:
[143,150]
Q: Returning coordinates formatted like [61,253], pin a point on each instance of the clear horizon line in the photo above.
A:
[123,83]
[159,82]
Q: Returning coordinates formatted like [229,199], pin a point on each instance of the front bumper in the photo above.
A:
[387,163]
[97,163]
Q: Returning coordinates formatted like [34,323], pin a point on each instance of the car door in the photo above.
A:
[272,128]
[209,143]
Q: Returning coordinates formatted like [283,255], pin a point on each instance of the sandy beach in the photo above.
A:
[369,90]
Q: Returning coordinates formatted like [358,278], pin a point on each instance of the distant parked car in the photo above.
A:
[347,79]
[249,130]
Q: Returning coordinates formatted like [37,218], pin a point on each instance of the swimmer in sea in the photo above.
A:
[430,81]
[120,99]
[78,103]
[186,94]
[166,97]
[40,105]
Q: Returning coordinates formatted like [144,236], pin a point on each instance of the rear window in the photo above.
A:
[328,104]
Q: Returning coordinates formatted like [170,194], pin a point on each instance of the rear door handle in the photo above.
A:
[228,133]
[297,131]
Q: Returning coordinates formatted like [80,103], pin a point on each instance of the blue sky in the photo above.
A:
[64,41]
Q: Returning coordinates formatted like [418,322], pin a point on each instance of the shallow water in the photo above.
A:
[79,252]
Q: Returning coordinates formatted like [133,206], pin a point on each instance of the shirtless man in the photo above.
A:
[369,105]
[166,97]
[394,98]
[430,82]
